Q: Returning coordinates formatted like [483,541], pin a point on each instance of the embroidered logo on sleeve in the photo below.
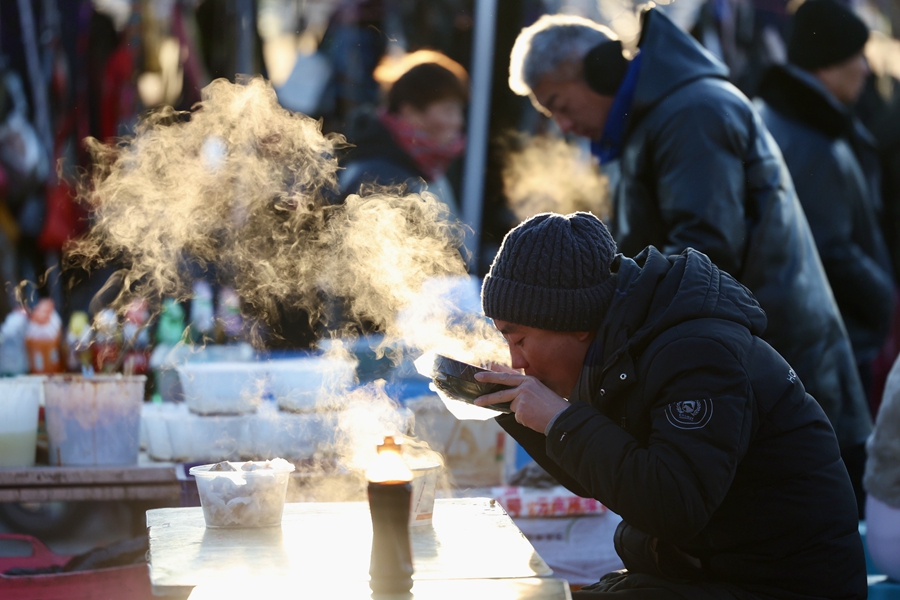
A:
[689,414]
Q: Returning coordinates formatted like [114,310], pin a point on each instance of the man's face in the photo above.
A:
[555,358]
[574,106]
[845,80]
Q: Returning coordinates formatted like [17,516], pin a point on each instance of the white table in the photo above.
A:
[473,545]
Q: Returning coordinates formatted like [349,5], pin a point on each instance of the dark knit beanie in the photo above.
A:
[552,272]
[825,33]
[605,67]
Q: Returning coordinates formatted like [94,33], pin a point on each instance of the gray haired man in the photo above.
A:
[698,169]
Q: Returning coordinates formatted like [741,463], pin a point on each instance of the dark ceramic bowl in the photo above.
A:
[457,380]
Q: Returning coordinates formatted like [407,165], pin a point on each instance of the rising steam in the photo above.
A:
[547,174]
[241,185]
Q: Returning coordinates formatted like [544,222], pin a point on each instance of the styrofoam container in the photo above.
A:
[225,388]
[243,498]
[93,420]
[299,384]
[20,400]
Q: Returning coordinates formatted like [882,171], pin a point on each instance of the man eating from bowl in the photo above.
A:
[644,383]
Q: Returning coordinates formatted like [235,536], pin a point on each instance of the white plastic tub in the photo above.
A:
[294,436]
[20,400]
[226,388]
[243,498]
[93,420]
[196,438]
[299,384]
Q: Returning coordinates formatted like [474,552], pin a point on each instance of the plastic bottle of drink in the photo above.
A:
[78,343]
[228,314]
[43,339]
[107,341]
[202,314]
[13,354]
[136,338]
[170,328]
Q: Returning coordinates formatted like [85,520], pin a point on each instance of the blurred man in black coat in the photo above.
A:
[835,165]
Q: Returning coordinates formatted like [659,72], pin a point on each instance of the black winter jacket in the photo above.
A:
[834,166]
[699,169]
[703,439]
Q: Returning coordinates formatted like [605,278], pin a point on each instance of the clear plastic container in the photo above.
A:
[93,420]
[242,498]
[222,388]
[20,400]
[299,384]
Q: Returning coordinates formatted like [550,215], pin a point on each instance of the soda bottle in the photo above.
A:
[107,341]
[136,338]
[202,314]
[170,328]
[228,314]
[78,343]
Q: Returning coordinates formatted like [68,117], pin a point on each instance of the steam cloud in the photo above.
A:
[547,174]
[241,184]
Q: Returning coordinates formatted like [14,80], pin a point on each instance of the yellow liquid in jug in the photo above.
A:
[17,448]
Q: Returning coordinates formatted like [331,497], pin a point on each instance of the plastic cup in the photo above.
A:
[20,400]
[234,499]
[424,484]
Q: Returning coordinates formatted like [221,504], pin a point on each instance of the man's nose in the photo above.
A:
[517,359]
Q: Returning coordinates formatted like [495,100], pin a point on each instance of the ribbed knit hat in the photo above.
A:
[825,33]
[552,272]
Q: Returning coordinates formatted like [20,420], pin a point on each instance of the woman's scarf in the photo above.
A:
[432,157]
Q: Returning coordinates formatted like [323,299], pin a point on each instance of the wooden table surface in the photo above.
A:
[146,480]
[329,544]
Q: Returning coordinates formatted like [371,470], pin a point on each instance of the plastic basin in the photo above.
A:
[93,420]
[226,388]
[298,385]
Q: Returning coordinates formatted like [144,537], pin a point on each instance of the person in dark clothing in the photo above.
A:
[644,384]
[834,163]
[692,165]
[416,136]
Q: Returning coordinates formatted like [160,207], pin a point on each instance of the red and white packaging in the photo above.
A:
[551,502]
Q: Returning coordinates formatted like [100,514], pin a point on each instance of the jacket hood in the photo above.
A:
[656,292]
[799,96]
[670,59]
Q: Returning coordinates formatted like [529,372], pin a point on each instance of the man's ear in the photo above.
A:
[583,336]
